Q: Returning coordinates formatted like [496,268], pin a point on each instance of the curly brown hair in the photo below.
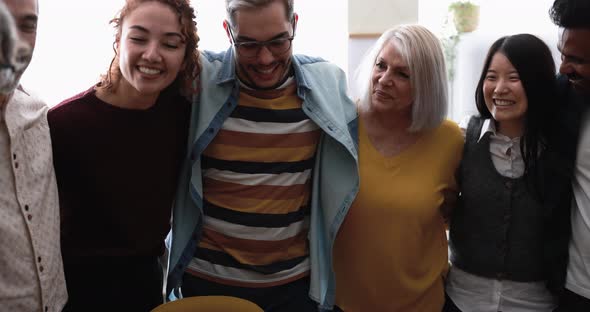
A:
[186,81]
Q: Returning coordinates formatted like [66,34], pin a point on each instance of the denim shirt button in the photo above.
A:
[211,130]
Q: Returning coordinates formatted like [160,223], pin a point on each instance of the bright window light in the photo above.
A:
[75,41]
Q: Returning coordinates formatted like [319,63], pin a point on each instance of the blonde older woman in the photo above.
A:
[391,251]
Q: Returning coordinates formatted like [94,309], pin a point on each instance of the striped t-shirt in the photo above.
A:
[256,186]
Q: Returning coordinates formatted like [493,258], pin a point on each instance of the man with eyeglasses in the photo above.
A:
[272,169]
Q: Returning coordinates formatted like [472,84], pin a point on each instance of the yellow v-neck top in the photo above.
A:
[390,253]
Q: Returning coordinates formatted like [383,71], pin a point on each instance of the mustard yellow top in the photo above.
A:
[390,253]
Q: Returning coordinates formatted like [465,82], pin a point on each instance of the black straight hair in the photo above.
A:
[534,63]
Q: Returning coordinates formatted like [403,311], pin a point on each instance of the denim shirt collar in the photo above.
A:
[228,69]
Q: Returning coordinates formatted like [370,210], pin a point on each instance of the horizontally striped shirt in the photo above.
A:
[256,186]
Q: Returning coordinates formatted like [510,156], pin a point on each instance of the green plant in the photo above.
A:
[449,45]
[465,15]
[462,5]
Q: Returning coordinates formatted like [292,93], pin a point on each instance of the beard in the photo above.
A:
[250,82]
[579,83]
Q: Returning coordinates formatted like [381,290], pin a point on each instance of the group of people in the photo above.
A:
[251,173]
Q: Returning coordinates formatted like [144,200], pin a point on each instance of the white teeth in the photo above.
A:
[149,71]
[503,102]
[265,71]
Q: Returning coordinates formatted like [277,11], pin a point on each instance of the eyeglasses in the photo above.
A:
[252,48]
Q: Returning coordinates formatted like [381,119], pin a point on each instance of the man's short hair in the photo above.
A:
[571,13]
[232,6]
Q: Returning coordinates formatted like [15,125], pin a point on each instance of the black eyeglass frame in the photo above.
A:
[260,44]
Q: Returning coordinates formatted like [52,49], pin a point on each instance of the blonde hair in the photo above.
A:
[422,51]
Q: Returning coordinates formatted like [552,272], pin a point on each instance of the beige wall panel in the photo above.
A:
[376,16]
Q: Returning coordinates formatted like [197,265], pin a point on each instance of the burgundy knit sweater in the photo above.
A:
[117,172]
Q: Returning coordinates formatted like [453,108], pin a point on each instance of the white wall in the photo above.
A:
[358,47]
[376,16]
[74,40]
[74,47]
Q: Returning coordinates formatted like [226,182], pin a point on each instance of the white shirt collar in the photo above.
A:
[488,126]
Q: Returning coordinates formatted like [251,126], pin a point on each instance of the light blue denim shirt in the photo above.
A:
[322,87]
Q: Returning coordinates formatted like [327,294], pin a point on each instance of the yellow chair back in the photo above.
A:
[209,304]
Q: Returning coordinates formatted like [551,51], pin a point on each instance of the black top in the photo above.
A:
[498,229]
[117,172]
[502,228]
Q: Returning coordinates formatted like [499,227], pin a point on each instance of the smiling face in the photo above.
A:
[504,93]
[575,57]
[391,84]
[151,50]
[265,70]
